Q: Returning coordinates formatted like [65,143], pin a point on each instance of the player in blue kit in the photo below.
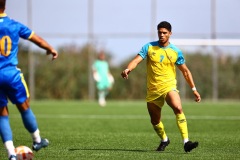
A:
[12,83]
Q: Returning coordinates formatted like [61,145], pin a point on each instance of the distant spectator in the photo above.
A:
[103,78]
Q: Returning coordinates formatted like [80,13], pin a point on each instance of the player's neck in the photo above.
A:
[165,44]
[2,11]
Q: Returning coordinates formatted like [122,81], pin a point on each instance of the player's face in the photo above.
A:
[102,56]
[164,35]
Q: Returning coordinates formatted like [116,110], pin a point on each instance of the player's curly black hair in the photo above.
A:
[165,24]
[2,4]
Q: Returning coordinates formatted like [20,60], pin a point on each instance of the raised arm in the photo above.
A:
[188,77]
[44,45]
[133,64]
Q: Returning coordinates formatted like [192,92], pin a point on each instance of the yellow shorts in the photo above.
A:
[160,100]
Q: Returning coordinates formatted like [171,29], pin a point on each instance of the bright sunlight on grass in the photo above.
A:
[122,131]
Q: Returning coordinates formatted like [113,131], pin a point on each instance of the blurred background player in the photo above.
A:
[103,77]
[12,83]
[162,56]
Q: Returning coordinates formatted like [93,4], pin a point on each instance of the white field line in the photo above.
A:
[65,116]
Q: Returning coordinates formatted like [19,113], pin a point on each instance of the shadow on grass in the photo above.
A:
[124,150]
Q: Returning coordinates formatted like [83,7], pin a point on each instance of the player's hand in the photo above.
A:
[125,73]
[96,76]
[54,53]
[197,96]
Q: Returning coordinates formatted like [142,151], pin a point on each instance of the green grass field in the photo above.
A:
[122,131]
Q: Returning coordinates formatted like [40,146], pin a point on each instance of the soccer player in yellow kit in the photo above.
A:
[162,57]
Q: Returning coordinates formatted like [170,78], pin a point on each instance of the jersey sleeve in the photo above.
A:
[144,51]
[180,59]
[24,31]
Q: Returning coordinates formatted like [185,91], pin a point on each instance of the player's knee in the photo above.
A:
[4,111]
[155,122]
[177,110]
[23,106]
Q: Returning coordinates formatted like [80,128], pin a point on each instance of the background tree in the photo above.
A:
[67,77]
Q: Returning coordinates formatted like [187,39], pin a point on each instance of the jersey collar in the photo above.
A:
[3,15]
[166,46]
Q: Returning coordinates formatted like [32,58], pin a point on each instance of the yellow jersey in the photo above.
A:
[161,72]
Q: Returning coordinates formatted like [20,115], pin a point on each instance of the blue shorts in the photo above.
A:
[12,86]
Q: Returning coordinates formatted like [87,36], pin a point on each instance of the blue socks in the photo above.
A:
[29,120]
[5,129]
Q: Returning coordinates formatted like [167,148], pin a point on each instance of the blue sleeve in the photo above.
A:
[24,31]
[144,51]
[180,59]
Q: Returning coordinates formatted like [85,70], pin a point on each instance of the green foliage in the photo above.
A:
[68,76]
[64,78]
[229,78]
[132,88]
[228,75]
[201,69]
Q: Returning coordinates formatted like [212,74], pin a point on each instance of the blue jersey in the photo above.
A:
[12,83]
[10,32]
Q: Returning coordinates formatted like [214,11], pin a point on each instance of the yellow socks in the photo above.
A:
[159,128]
[182,125]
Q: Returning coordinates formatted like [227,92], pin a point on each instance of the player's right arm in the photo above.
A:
[188,77]
[133,64]
[44,45]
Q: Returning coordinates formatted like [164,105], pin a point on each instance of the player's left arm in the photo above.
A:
[44,45]
[132,65]
[188,77]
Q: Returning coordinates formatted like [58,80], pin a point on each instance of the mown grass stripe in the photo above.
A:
[65,116]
